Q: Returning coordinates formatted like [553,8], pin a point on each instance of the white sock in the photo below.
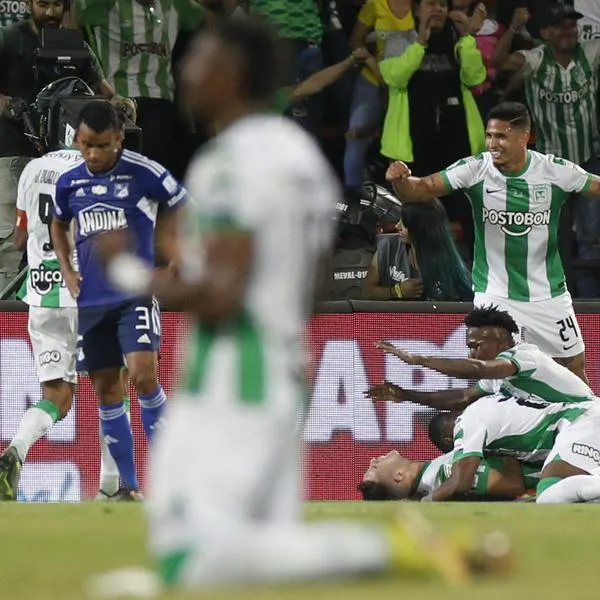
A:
[289,553]
[109,472]
[577,488]
[35,424]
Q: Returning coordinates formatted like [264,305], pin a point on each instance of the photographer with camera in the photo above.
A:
[19,84]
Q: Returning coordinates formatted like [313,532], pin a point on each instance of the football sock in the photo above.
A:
[36,423]
[577,488]
[109,472]
[152,408]
[119,439]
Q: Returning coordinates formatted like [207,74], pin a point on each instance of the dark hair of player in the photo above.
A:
[99,116]
[253,43]
[491,316]
[514,113]
[439,429]
[373,490]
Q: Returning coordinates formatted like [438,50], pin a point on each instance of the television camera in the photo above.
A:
[49,121]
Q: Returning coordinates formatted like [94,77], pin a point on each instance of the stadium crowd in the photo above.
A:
[374,81]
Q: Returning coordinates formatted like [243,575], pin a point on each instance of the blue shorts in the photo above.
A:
[108,333]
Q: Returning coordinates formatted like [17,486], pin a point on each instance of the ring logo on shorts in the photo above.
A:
[51,356]
[588,451]
[516,224]
[43,279]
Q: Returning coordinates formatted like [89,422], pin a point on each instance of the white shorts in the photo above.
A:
[549,324]
[53,335]
[579,443]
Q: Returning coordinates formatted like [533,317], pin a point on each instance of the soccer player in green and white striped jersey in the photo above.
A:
[393,477]
[52,323]
[561,79]
[498,363]
[517,196]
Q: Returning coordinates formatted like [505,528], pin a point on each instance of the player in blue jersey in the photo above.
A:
[115,189]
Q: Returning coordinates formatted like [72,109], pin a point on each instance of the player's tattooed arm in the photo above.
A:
[460,481]
[415,188]
[465,368]
[455,400]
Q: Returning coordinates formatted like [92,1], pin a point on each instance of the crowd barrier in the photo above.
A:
[342,431]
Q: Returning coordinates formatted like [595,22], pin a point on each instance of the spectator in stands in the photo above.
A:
[589,25]
[300,30]
[18,87]
[317,82]
[429,90]
[13,12]
[561,83]
[134,40]
[487,31]
[383,19]
[420,262]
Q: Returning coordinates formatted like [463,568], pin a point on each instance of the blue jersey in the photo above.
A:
[126,197]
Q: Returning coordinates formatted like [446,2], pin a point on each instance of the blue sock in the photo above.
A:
[117,434]
[152,408]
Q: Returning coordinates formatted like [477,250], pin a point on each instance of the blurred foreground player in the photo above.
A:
[111,189]
[264,213]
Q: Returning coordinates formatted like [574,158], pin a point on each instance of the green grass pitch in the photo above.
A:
[49,551]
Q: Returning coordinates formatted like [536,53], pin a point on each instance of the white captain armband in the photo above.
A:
[129,273]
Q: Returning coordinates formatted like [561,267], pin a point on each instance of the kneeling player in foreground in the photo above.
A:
[263,219]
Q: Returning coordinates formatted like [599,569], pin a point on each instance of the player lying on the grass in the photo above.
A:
[249,289]
[524,425]
[393,477]
[52,322]
[497,361]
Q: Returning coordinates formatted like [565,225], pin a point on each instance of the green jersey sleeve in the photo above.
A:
[463,174]
[525,360]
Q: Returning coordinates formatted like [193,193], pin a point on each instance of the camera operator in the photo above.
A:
[18,88]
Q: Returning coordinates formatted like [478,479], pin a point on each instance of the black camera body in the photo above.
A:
[51,119]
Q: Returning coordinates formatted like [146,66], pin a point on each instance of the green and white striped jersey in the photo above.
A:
[134,41]
[263,176]
[36,196]
[538,377]
[439,470]
[563,101]
[516,222]
[525,429]
[13,11]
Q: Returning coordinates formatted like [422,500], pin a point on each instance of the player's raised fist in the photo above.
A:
[397,170]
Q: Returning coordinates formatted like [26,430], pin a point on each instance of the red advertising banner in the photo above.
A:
[342,432]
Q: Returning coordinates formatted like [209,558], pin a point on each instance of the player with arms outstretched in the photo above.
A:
[52,322]
[517,196]
[111,189]
[265,200]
